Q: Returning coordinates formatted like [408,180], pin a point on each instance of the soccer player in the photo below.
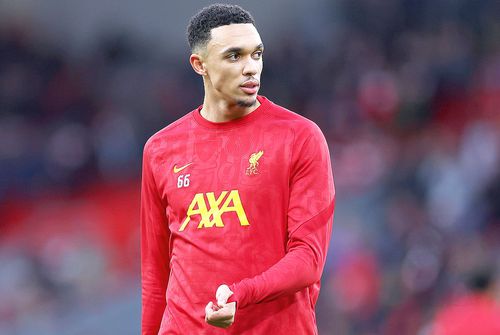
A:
[237,199]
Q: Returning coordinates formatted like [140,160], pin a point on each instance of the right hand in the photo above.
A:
[220,316]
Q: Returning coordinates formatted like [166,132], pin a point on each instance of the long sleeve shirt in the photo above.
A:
[248,203]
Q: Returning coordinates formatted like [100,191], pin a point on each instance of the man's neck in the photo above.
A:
[222,111]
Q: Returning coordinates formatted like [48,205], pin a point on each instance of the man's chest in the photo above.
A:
[210,179]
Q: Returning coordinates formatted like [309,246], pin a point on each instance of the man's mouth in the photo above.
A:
[250,87]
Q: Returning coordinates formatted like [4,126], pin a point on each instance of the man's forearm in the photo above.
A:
[152,312]
[299,268]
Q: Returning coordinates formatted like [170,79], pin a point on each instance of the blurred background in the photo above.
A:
[407,93]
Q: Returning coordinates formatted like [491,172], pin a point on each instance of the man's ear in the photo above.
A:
[197,63]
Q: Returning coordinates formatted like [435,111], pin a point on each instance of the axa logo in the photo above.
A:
[211,209]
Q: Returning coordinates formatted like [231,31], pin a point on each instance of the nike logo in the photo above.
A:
[177,170]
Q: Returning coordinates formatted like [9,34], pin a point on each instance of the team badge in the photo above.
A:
[254,163]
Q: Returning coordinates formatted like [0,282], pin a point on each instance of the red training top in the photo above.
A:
[248,203]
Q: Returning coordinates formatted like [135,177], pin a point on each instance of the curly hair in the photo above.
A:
[213,16]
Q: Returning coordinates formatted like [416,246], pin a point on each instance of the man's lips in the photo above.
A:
[250,86]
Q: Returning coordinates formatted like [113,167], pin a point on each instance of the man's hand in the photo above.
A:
[221,317]
[222,314]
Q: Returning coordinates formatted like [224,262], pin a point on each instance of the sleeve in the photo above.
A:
[310,220]
[154,250]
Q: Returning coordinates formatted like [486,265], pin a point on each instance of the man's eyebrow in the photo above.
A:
[239,50]
[231,50]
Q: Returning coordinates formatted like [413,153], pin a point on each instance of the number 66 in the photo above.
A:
[183,180]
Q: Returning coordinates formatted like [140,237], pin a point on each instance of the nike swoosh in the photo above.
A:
[177,170]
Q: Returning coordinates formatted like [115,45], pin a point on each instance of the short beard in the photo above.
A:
[246,104]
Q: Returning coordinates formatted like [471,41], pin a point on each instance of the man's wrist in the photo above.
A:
[235,296]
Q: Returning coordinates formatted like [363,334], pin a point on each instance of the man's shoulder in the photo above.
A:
[285,117]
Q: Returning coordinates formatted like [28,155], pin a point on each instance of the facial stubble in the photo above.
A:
[246,104]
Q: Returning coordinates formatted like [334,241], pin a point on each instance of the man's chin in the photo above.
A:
[247,102]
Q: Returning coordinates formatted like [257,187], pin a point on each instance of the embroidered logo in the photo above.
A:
[254,163]
[179,169]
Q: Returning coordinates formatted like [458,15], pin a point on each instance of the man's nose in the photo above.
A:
[251,67]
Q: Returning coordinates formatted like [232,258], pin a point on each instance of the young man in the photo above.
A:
[237,200]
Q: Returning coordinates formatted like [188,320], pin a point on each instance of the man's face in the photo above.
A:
[233,63]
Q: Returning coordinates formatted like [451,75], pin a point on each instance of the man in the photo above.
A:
[237,200]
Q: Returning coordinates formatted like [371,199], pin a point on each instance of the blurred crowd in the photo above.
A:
[407,93]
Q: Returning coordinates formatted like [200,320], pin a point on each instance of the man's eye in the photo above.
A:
[233,56]
[257,54]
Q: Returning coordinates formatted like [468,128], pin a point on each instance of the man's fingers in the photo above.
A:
[208,310]
[219,323]
[223,313]
[222,317]
[212,307]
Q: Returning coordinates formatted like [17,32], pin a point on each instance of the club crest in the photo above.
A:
[253,161]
